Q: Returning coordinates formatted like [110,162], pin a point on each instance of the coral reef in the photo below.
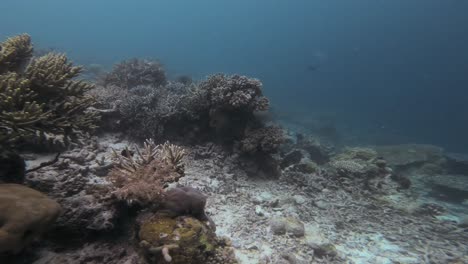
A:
[141,178]
[25,214]
[40,100]
[360,169]
[183,239]
[234,92]
[135,72]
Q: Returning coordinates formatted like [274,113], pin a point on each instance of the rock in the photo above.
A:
[321,204]
[295,227]
[278,226]
[409,154]
[259,211]
[288,225]
[457,163]
[450,188]
[92,253]
[323,250]
[463,223]
[84,196]
[299,199]
[263,197]
[25,214]
[12,167]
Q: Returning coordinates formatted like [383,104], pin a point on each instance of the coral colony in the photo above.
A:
[133,167]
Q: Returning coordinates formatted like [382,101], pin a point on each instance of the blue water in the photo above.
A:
[397,68]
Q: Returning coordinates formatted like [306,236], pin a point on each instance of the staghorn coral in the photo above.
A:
[41,102]
[15,52]
[142,177]
[134,72]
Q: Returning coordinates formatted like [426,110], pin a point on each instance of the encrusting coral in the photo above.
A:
[141,177]
[40,100]
[183,239]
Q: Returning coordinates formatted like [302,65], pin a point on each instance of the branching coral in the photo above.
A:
[134,72]
[40,99]
[235,92]
[15,52]
[265,139]
[142,177]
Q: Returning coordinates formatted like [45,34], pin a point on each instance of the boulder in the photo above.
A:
[289,225]
[25,214]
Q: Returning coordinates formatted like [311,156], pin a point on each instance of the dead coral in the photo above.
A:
[41,102]
[142,177]
[134,72]
[361,169]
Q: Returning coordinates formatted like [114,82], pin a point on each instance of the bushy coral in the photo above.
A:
[235,92]
[264,139]
[221,109]
[40,100]
[140,177]
[15,52]
[134,72]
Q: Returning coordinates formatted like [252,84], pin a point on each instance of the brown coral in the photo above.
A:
[142,177]
[41,102]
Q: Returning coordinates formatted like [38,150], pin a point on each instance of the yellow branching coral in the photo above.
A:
[52,75]
[15,52]
[40,101]
[173,155]
[141,177]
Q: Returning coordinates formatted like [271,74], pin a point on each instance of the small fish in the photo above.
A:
[311,67]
